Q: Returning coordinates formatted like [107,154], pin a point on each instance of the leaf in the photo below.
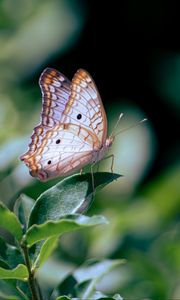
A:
[23,288]
[9,221]
[90,274]
[22,209]
[20,272]
[45,251]
[100,296]
[66,287]
[94,269]
[10,254]
[8,292]
[85,290]
[71,195]
[81,284]
[3,264]
[117,297]
[56,228]
[62,198]
[63,298]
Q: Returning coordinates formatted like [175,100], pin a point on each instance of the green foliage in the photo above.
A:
[45,251]
[8,291]
[90,274]
[9,221]
[11,255]
[49,229]
[54,213]
[82,283]
[71,195]
[22,209]
[20,272]
[63,298]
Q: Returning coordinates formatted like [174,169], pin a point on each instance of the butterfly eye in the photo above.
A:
[79,116]
[58,141]
[49,162]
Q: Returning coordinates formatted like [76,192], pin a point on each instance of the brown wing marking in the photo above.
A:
[85,97]
[55,88]
[42,141]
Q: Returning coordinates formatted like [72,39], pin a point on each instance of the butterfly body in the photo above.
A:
[73,128]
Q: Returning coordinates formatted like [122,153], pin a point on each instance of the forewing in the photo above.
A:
[85,107]
[55,88]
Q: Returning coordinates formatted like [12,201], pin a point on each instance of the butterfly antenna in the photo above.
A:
[132,126]
[116,125]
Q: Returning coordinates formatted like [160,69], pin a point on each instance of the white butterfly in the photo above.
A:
[73,128]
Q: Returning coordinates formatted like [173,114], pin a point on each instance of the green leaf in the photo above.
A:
[45,251]
[66,287]
[22,209]
[85,289]
[10,254]
[23,288]
[8,292]
[93,269]
[117,297]
[20,272]
[81,284]
[56,228]
[72,195]
[3,264]
[9,221]
[100,296]
[90,274]
[69,196]
[63,298]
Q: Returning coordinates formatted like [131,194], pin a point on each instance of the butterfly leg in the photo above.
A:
[81,171]
[92,175]
[112,162]
[98,164]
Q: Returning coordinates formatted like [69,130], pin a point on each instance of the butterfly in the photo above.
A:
[73,129]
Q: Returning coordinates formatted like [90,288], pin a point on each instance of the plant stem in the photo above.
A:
[31,279]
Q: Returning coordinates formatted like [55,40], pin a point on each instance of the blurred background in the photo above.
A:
[131,48]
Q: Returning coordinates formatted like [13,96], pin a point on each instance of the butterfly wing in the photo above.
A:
[77,102]
[85,107]
[55,88]
[69,108]
[62,150]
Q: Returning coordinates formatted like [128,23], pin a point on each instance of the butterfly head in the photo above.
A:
[109,141]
